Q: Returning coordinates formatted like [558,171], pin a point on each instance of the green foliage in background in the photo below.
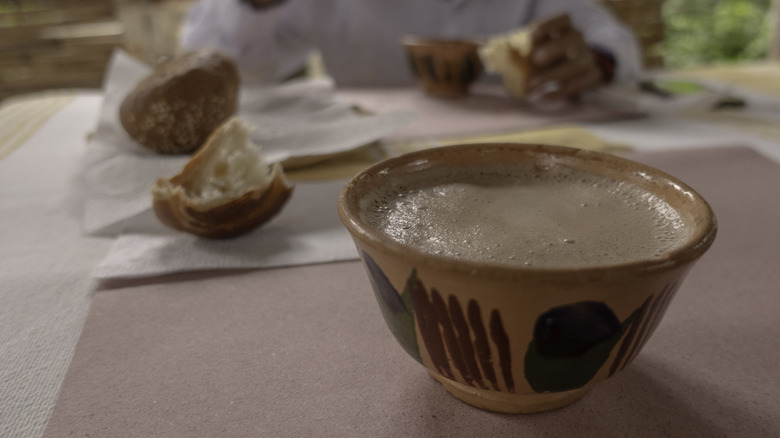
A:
[715,31]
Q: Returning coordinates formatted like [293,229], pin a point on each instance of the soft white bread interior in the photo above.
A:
[226,189]
[509,56]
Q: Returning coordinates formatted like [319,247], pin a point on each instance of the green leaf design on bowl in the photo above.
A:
[397,309]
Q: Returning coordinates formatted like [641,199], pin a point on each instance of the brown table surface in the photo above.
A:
[303,351]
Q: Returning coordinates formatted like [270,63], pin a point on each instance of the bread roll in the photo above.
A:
[225,189]
[510,56]
[176,108]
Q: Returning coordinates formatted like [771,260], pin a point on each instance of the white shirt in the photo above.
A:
[359,40]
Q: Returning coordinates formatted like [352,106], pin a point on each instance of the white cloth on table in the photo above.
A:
[295,121]
[45,276]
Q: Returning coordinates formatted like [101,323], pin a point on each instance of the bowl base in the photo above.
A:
[506,403]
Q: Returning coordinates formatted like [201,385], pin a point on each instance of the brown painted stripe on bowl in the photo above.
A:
[650,314]
[625,345]
[464,339]
[500,338]
[448,332]
[653,318]
[484,353]
[429,329]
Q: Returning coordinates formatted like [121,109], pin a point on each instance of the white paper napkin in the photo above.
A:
[299,121]
[629,97]
[307,231]
[295,123]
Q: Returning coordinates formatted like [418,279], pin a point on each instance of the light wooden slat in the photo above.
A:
[774,40]
[56,55]
[20,119]
[56,44]
[63,80]
[60,15]
[645,17]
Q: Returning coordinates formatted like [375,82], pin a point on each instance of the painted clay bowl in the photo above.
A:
[444,68]
[516,338]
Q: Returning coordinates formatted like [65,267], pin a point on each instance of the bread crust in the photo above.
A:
[229,219]
[509,55]
[177,107]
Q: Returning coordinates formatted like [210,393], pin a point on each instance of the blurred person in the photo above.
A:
[577,44]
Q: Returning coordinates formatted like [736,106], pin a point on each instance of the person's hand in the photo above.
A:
[563,64]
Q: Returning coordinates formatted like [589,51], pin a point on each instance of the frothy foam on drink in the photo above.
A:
[525,215]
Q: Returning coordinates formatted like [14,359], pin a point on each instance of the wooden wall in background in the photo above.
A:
[47,44]
[774,42]
[645,17]
[55,44]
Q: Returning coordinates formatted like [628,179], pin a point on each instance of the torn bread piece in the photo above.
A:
[225,189]
[509,56]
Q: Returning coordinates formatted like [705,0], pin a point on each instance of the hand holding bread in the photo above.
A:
[509,56]
[548,61]
[563,63]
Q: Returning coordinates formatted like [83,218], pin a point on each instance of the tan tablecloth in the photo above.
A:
[758,84]
[762,77]
[304,352]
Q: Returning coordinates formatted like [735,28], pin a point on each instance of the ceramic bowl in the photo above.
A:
[515,338]
[443,68]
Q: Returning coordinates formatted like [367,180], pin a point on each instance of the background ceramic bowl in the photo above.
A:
[444,68]
[476,326]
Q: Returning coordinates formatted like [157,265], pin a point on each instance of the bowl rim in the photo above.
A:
[695,246]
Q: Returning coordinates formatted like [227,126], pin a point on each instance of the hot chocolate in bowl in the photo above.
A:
[522,275]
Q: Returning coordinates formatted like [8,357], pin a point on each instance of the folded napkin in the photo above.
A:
[631,97]
[307,231]
[296,123]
